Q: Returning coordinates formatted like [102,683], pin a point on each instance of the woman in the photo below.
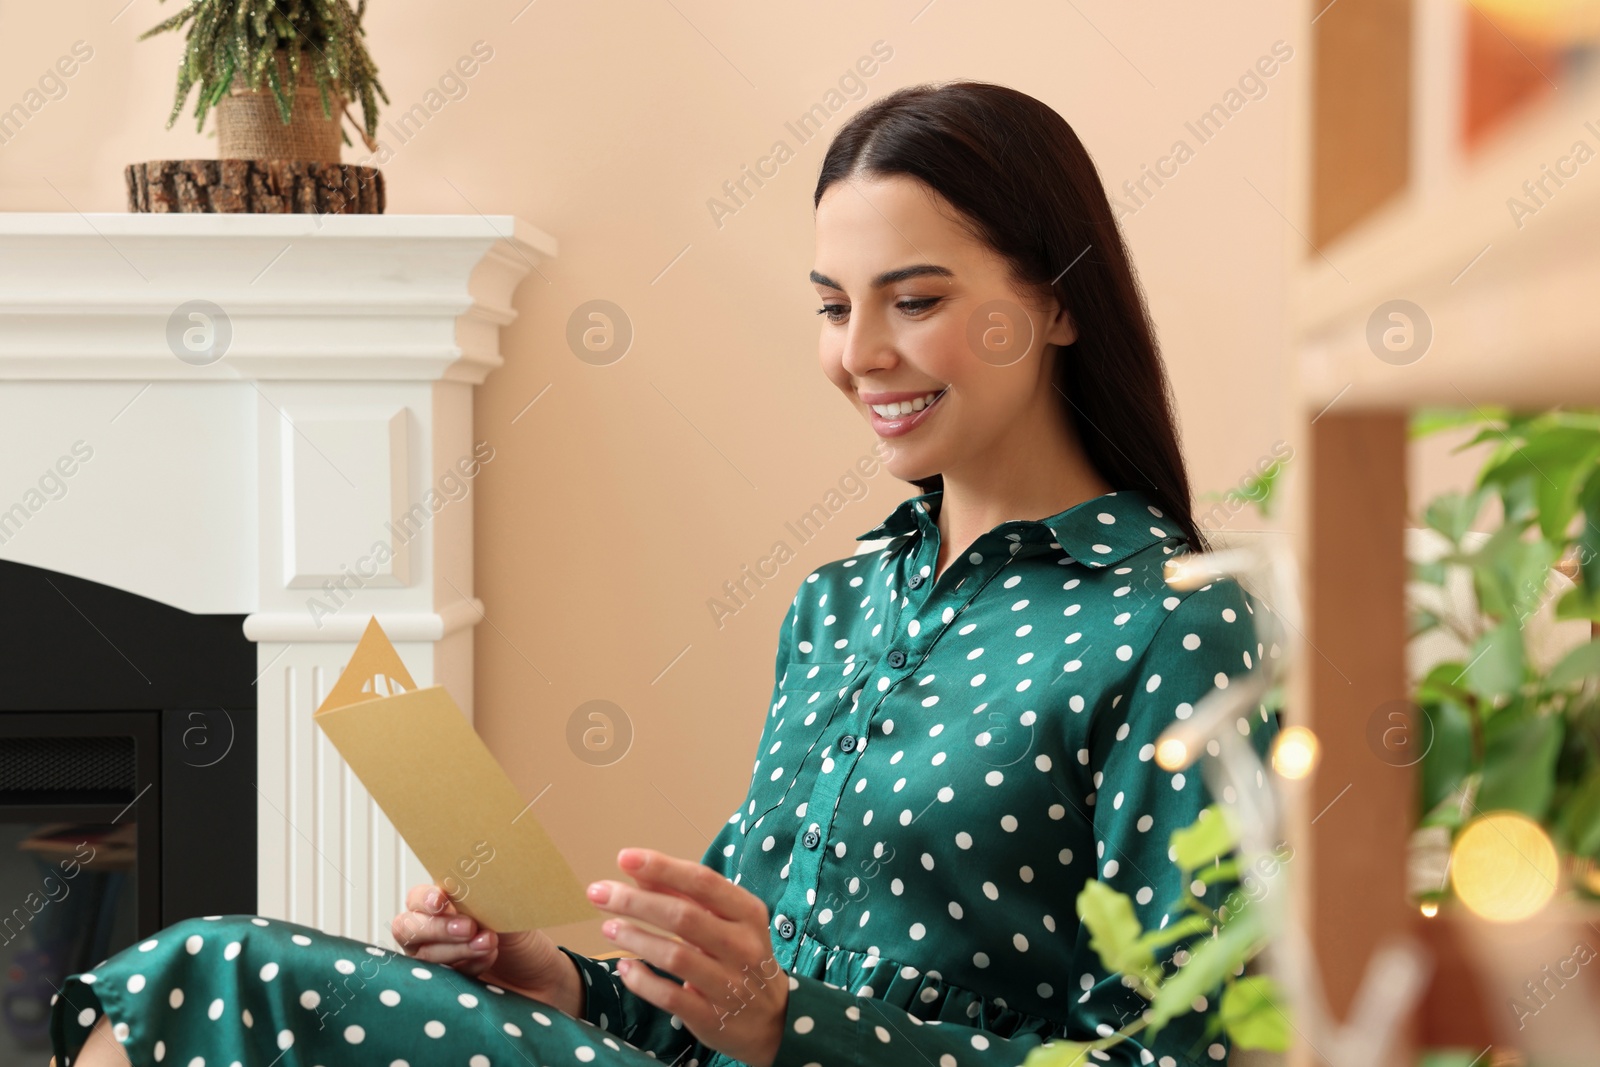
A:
[962,723]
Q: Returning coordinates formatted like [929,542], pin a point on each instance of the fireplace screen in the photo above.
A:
[69,894]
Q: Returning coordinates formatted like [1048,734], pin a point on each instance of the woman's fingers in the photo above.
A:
[688,899]
[692,880]
[679,957]
[470,956]
[428,898]
[419,928]
[687,919]
[431,930]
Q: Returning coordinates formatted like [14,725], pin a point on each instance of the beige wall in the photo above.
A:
[619,503]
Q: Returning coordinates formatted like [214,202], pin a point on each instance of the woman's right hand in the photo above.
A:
[526,961]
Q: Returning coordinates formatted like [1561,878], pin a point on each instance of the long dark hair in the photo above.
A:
[1023,181]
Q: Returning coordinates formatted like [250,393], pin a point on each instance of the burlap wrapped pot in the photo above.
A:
[249,126]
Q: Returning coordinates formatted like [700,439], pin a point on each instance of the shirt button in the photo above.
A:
[785,928]
[847,743]
[811,839]
[916,580]
[897,659]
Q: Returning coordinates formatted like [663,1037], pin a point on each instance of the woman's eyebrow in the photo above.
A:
[889,277]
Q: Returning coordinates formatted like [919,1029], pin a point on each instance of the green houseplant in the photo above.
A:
[1505,733]
[238,40]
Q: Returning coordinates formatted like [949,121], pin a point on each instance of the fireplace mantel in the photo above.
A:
[261,479]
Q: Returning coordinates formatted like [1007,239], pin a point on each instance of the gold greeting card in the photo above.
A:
[444,792]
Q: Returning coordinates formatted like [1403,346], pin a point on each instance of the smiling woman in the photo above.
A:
[962,725]
[953,265]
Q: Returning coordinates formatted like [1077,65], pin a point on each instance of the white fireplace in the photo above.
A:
[268,416]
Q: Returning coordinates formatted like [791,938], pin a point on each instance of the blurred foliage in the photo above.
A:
[1258,487]
[242,36]
[1506,735]
[1213,947]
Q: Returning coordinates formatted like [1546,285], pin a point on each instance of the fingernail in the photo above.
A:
[599,892]
[433,900]
[609,928]
[481,942]
[460,927]
[630,858]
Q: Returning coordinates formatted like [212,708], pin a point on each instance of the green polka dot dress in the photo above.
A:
[943,765]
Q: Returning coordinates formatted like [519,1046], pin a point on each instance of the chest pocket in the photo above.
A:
[810,683]
[810,691]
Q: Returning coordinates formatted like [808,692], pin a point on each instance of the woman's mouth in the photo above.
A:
[892,420]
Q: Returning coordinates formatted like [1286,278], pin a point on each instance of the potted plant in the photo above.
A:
[281,74]
[1506,690]
[1508,731]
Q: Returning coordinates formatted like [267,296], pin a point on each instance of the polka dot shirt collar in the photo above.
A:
[1098,532]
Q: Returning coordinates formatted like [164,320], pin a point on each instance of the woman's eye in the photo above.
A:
[835,312]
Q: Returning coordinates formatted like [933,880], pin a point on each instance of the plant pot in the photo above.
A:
[1529,989]
[249,125]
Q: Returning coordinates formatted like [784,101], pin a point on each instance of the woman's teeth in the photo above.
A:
[906,407]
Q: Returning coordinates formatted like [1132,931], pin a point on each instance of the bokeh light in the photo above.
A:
[1172,755]
[1295,753]
[1504,867]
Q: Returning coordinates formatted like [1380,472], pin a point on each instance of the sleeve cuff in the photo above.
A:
[822,1024]
[602,996]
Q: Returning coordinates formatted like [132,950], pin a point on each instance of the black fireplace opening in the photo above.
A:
[127,780]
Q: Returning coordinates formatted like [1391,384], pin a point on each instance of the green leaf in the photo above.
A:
[1578,821]
[1584,420]
[1588,540]
[1554,461]
[1519,763]
[1210,961]
[1058,1052]
[1114,929]
[1497,434]
[1580,602]
[1452,513]
[1217,874]
[1511,574]
[1582,662]
[1443,682]
[1434,573]
[1209,837]
[1423,621]
[1426,421]
[1253,1015]
[1187,926]
[1449,812]
[1449,758]
[1494,668]
[1259,488]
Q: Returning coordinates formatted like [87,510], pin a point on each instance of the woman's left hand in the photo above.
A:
[734,995]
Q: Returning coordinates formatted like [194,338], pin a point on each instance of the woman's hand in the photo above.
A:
[734,995]
[526,961]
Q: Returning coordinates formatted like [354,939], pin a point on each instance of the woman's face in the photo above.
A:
[919,314]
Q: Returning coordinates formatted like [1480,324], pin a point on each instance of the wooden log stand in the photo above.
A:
[259,186]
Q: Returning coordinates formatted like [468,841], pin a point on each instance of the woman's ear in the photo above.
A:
[1061,329]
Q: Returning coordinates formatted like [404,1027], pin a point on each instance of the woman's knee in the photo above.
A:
[196,931]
